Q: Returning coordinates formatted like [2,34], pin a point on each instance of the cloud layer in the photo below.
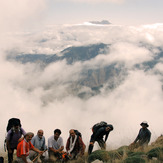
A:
[41,97]
[38,97]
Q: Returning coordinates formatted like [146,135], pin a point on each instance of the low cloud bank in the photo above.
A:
[37,96]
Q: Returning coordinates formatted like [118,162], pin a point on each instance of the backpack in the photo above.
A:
[78,133]
[99,125]
[12,122]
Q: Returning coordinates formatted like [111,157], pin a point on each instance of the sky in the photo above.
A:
[43,12]
[23,26]
[124,12]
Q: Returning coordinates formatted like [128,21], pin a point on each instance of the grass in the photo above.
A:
[151,154]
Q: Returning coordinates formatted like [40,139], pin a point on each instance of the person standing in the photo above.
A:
[144,135]
[12,139]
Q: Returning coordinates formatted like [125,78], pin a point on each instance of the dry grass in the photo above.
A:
[150,154]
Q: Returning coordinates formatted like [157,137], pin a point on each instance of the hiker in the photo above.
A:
[14,134]
[99,130]
[38,142]
[23,149]
[75,146]
[55,145]
[144,135]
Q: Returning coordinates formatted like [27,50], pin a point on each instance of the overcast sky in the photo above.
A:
[125,12]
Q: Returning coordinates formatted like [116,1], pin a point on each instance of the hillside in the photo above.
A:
[125,154]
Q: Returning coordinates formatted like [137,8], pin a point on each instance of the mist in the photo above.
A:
[39,97]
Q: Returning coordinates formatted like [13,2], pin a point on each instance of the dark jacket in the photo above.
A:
[100,133]
[143,137]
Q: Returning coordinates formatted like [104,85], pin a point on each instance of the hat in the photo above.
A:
[29,133]
[144,123]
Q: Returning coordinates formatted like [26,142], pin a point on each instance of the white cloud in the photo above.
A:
[96,1]
[40,97]
[15,15]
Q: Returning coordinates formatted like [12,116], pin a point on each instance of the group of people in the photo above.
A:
[32,148]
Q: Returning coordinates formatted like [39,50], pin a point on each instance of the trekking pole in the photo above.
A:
[38,155]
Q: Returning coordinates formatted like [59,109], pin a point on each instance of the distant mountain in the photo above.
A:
[71,54]
[104,22]
[109,76]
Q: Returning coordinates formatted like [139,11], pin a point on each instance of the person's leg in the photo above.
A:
[1,160]
[19,160]
[10,155]
[90,148]
[52,156]
[32,154]
[73,155]
[91,144]
[102,143]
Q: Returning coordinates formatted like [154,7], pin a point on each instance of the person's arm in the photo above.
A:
[23,131]
[106,136]
[61,145]
[56,150]
[37,150]
[8,141]
[138,137]
[61,149]
[22,135]
[8,146]
[149,136]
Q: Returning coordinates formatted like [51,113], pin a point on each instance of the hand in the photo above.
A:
[41,152]
[20,139]
[56,151]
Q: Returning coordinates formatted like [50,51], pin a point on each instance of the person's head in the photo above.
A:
[40,133]
[57,133]
[109,128]
[28,136]
[16,126]
[144,124]
[72,133]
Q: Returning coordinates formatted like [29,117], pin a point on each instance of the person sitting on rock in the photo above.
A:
[75,146]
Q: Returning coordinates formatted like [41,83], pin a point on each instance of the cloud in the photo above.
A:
[16,15]
[97,1]
[43,98]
